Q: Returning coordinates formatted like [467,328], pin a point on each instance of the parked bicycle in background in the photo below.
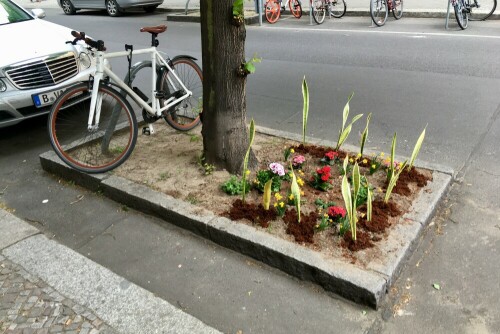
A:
[379,10]
[334,8]
[274,8]
[463,10]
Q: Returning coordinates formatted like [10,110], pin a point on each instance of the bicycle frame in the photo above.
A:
[154,109]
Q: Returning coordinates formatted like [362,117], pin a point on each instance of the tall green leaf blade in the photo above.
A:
[247,155]
[305,109]
[266,198]
[416,149]
[393,181]
[364,135]
[346,194]
[356,180]
[296,193]
[345,113]
[369,201]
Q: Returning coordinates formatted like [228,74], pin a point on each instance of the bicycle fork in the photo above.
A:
[96,97]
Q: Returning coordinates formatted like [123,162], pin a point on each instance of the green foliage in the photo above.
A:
[238,8]
[344,225]
[249,66]
[295,192]
[369,200]
[325,223]
[263,176]
[392,182]
[345,131]
[375,164]
[322,204]
[245,160]
[351,196]
[364,135]
[234,186]
[363,192]
[416,149]
[390,171]
[305,109]
[287,153]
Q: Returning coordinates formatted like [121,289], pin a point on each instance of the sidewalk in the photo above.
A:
[48,288]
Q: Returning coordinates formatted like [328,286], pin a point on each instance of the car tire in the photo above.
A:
[150,9]
[112,8]
[68,7]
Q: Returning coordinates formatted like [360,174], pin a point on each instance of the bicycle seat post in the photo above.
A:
[154,40]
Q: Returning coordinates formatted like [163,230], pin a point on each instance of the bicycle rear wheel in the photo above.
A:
[483,9]
[337,8]
[272,10]
[397,9]
[461,14]
[295,8]
[102,148]
[318,11]
[186,114]
[378,11]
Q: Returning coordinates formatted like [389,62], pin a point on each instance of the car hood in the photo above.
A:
[32,39]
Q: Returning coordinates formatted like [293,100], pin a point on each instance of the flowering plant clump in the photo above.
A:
[321,179]
[336,213]
[276,172]
[277,169]
[298,161]
[279,204]
[375,163]
[330,158]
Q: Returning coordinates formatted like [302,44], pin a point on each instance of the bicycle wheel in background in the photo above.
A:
[97,150]
[337,8]
[378,11]
[318,11]
[272,10]
[484,11]
[397,8]
[295,8]
[185,115]
[461,14]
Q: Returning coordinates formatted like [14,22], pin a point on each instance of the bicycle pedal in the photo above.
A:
[146,131]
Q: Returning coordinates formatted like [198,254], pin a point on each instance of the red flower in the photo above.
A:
[319,170]
[335,211]
[326,170]
[325,177]
[331,155]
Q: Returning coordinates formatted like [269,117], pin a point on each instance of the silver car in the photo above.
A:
[113,7]
[36,63]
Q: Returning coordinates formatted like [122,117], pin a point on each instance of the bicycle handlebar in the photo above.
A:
[80,36]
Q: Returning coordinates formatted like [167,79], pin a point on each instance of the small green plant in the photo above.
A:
[288,152]
[305,109]
[350,198]
[325,223]
[263,176]
[330,158]
[392,181]
[391,168]
[296,193]
[245,160]
[164,176]
[344,225]
[279,204]
[238,8]
[364,135]
[192,199]
[321,178]
[194,138]
[117,149]
[345,131]
[322,204]
[364,189]
[234,186]
[375,164]
[249,66]
[208,168]
[416,149]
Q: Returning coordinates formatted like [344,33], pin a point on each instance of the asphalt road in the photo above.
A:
[409,74]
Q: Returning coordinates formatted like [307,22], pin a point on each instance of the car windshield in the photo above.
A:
[10,13]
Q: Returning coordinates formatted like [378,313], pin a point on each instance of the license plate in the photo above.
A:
[46,98]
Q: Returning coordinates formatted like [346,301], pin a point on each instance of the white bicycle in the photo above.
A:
[92,126]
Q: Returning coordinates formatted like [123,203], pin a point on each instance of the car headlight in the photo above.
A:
[85,61]
[3,86]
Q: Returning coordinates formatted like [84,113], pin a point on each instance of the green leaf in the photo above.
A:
[369,204]
[238,7]
[364,135]
[295,189]
[305,109]
[393,153]
[345,113]
[392,182]
[247,155]
[416,149]
[266,198]
[250,67]
[346,194]
[436,286]
[345,133]
[356,180]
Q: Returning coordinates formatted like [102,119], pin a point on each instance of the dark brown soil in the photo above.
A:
[391,209]
[363,241]
[303,231]
[316,151]
[254,213]
[410,176]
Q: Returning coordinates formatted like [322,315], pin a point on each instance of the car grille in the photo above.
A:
[43,72]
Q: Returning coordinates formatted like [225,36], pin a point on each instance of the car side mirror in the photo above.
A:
[38,13]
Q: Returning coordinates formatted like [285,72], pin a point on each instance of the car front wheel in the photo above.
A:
[112,8]
[68,7]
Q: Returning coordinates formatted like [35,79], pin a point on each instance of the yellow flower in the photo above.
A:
[302,193]
[358,156]
[301,173]
[365,161]
[325,215]
[292,150]
[374,166]
[247,172]
[256,181]
[278,196]
[351,160]
[330,220]
[282,204]
[363,215]
[300,182]
[276,204]
[381,154]
[291,197]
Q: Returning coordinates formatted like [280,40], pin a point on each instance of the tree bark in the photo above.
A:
[225,133]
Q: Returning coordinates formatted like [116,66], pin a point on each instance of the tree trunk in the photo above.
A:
[225,134]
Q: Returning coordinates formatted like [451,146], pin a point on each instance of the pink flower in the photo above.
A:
[298,160]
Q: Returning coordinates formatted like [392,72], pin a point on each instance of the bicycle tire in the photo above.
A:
[379,12]
[461,15]
[337,8]
[98,150]
[397,9]
[272,11]
[185,115]
[486,9]
[319,11]
[295,8]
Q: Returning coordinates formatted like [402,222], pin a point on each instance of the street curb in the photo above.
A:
[362,285]
[121,304]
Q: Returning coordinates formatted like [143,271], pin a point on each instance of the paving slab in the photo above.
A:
[366,286]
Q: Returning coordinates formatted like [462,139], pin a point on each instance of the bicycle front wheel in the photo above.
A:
[397,9]
[337,8]
[272,10]
[186,114]
[461,14]
[378,12]
[103,147]
[483,9]
[295,8]
[318,11]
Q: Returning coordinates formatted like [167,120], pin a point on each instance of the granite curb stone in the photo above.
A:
[362,286]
